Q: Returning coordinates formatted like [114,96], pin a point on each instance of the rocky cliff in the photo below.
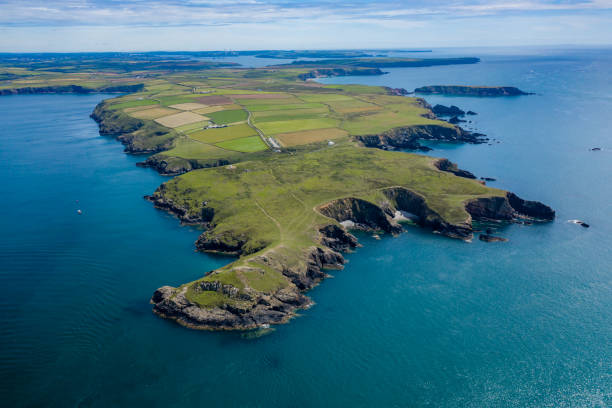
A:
[73,89]
[137,136]
[408,137]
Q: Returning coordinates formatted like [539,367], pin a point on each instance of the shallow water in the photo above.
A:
[417,320]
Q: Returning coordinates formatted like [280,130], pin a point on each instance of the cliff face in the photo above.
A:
[408,137]
[173,166]
[449,166]
[112,123]
[137,136]
[470,90]
[73,89]
[508,208]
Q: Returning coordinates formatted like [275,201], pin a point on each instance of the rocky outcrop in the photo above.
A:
[364,214]
[114,122]
[508,208]
[441,110]
[406,200]
[408,137]
[491,238]
[470,90]
[337,238]
[449,166]
[77,89]
[243,314]
[396,91]
[334,72]
[225,243]
[531,209]
[203,215]
[173,166]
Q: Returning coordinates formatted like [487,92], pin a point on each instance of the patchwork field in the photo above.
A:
[228,116]
[223,134]
[189,106]
[262,96]
[244,144]
[191,127]
[214,100]
[179,119]
[299,115]
[309,136]
[216,108]
[153,113]
[273,128]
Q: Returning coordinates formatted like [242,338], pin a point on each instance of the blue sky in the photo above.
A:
[141,25]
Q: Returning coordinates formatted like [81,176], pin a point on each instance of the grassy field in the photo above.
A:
[244,144]
[285,126]
[309,136]
[188,106]
[179,119]
[228,116]
[223,134]
[153,113]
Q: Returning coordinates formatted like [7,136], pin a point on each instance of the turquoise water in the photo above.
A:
[417,320]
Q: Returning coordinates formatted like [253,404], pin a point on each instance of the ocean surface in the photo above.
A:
[413,321]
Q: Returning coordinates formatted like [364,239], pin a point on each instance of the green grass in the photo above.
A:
[222,134]
[192,127]
[279,115]
[175,100]
[271,107]
[278,101]
[272,128]
[132,104]
[244,144]
[228,116]
[191,149]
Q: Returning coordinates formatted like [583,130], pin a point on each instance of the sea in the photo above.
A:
[417,320]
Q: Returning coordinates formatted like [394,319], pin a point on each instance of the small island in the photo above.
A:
[459,90]
[277,170]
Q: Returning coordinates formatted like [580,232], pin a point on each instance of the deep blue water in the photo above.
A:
[417,320]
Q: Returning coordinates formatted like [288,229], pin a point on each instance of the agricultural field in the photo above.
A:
[309,136]
[228,116]
[223,134]
[179,119]
[152,113]
[285,126]
[188,106]
[244,144]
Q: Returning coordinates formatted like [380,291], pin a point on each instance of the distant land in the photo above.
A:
[387,62]
[276,168]
[461,90]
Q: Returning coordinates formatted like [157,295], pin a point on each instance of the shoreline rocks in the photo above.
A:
[441,110]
